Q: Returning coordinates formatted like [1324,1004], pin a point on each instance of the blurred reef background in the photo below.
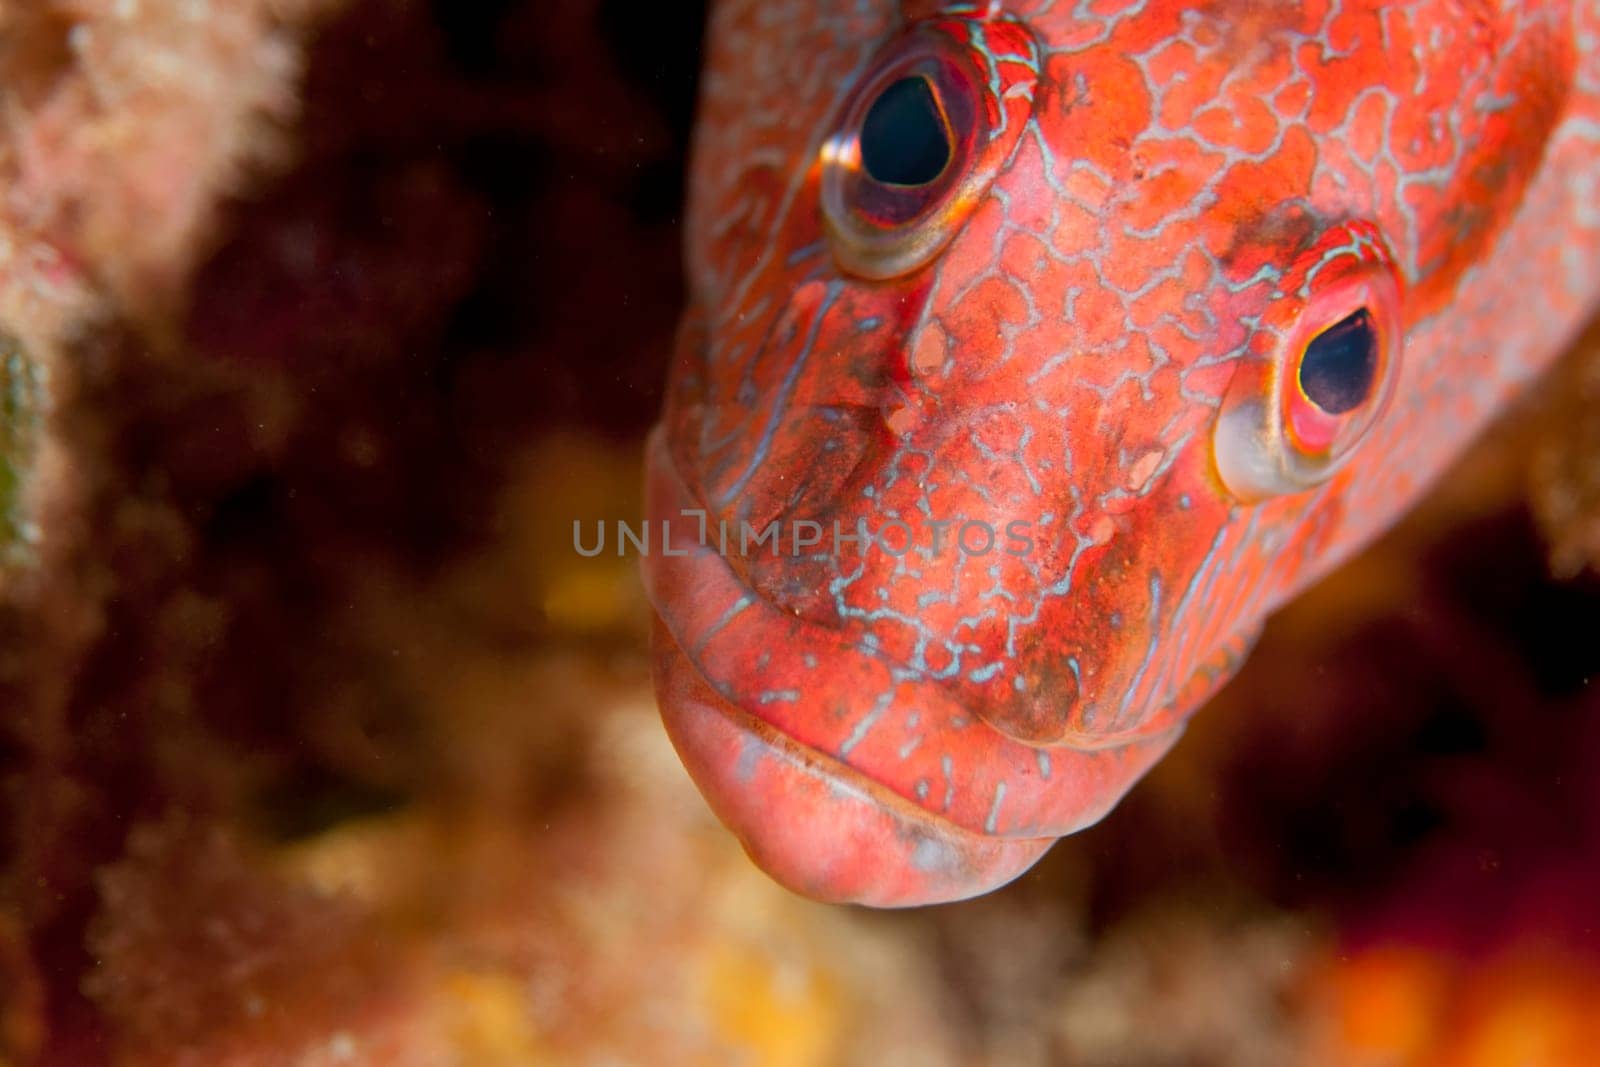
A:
[320,323]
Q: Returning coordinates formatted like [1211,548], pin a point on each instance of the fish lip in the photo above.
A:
[814,825]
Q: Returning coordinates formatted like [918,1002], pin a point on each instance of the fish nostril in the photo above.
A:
[900,418]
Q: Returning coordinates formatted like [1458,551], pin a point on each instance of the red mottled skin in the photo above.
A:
[1168,181]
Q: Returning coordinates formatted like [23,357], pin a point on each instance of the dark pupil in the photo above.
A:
[903,137]
[1340,363]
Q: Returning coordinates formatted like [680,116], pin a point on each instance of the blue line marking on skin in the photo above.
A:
[930,854]
[801,254]
[868,721]
[983,674]
[994,809]
[780,404]
[749,756]
[721,624]
[1203,574]
[1150,650]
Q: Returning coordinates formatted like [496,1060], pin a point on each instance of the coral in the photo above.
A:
[203,957]
[125,128]
[132,121]
[126,125]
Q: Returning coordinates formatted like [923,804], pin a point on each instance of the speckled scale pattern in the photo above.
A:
[1062,362]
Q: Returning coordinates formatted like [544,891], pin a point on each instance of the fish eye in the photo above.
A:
[905,139]
[1340,364]
[1322,365]
[919,139]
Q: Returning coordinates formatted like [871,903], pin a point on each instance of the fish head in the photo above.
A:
[1032,358]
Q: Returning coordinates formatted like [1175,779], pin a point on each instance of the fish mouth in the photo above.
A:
[811,823]
[848,779]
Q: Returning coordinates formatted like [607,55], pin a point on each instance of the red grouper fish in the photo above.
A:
[1038,350]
